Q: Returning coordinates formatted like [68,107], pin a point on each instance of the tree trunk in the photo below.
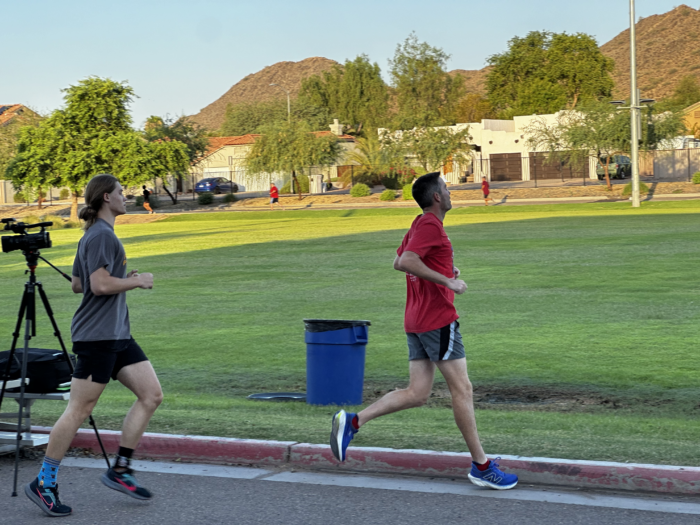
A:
[174,199]
[607,173]
[74,207]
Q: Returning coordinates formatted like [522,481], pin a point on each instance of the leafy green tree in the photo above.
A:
[167,130]
[599,130]
[546,72]
[30,168]
[285,147]
[426,94]
[92,134]
[686,94]
[354,93]
[474,108]
[9,136]
[372,161]
[432,148]
[254,117]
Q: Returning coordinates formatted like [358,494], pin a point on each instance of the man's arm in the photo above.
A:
[76,285]
[102,283]
[410,262]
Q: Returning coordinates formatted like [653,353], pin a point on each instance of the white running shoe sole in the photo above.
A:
[490,485]
[337,435]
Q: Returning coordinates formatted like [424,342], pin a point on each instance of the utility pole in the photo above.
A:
[634,109]
[289,106]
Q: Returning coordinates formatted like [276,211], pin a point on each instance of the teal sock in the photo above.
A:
[49,472]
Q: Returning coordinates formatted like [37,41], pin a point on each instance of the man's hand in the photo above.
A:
[132,273]
[456,271]
[457,286]
[145,280]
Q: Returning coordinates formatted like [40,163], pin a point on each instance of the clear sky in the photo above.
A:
[181,55]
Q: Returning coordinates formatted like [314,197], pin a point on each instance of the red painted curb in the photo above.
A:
[191,448]
[571,473]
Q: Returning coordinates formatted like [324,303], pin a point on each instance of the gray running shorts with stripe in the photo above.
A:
[437,345]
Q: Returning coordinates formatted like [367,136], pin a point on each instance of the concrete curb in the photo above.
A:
[665,479]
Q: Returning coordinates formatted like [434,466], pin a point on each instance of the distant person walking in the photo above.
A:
[146,200]
[274,197]
[297,186]
[426,257]
[486,190]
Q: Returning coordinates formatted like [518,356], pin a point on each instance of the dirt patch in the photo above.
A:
[535,398]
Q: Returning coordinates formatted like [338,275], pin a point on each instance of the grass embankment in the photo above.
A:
[580,323]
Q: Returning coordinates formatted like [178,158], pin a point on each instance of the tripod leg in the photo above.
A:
[57,333]
[30,317]
[15,336]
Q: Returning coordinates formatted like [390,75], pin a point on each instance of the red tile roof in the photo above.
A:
[10,111]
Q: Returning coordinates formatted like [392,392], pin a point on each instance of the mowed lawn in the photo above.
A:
[580,323]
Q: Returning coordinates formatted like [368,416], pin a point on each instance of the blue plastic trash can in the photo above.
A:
[335,361]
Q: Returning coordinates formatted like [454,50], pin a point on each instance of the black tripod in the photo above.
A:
[27,310]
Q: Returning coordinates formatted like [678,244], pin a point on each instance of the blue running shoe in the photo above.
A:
[342,433]
[492,477]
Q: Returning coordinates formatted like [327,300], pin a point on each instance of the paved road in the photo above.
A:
[193,494]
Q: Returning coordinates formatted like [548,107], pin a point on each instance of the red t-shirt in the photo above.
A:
[429,305]
[274,193]
[485,186]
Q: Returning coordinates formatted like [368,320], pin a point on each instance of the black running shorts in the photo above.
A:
[104,359]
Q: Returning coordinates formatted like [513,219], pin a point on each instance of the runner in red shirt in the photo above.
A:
[274,197]
[486,190]
[432,330]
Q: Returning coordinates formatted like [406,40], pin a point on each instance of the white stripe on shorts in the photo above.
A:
[452,341]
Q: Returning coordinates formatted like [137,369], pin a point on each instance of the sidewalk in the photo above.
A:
[665,479]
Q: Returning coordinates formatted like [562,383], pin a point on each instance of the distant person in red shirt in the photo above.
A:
[432,330]
[274,197]
[485,189]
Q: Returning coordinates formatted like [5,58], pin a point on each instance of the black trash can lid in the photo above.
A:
[328,325]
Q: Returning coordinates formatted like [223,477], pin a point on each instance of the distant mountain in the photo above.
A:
[668,48]
[256,88]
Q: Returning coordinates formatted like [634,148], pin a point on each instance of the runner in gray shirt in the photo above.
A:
[102,340]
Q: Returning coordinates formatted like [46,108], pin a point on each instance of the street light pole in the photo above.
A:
[289,106]
[634,109]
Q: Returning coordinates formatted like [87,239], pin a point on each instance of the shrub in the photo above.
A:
[303,182]
[390,183]
[360,190]
[20,198]
[64,194]
[154,202]
[72,224]
[696,177]
[230,197]
[408,192]
[388,195]
[627,191]
[139,200]
[205,198]
[30,219]
[58,222]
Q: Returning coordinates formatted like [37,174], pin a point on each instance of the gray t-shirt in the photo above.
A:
[100,317]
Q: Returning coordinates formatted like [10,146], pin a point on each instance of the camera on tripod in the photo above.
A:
[27,242]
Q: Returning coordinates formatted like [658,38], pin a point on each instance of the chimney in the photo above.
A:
[336,127]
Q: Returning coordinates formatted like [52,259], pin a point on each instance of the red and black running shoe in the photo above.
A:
[125,482]
[47,499]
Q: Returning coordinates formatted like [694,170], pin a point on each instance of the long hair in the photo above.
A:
[94,197]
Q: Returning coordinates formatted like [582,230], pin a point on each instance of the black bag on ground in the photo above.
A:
[46,369]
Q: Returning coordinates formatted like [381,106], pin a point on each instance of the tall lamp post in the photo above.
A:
[289,107]
[634,109]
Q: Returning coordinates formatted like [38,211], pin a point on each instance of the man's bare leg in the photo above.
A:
[141,379]
[422,372]
[455,373]
[83,398]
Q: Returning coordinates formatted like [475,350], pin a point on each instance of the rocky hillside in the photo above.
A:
[668,48]
[256,87]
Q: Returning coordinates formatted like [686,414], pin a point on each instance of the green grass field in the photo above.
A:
[580,323]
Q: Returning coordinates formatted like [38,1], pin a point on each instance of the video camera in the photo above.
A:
[27,242]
